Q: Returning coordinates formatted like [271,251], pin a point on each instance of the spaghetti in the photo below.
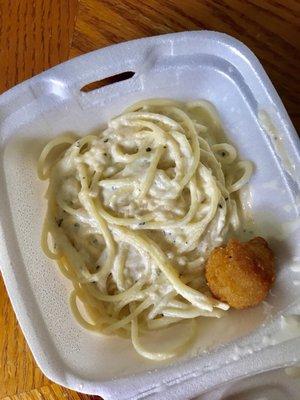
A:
[134,212]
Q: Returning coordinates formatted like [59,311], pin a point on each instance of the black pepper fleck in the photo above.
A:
[148,149]
[76,225]
[226,198]
[105,140]
[142,223]
[223,154]
[220,206]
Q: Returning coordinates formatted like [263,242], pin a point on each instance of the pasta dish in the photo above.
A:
[134,212]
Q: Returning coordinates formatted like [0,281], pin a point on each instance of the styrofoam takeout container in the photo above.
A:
[186,65]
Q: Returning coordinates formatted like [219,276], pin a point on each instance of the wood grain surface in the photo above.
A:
[37,34]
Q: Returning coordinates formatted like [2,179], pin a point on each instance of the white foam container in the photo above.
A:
[283,383]
[186,65]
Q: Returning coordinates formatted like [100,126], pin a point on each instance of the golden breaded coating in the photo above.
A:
[241,274]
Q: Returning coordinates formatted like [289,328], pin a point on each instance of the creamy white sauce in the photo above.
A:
[278,143]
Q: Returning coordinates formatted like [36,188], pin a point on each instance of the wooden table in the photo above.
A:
[37,34]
